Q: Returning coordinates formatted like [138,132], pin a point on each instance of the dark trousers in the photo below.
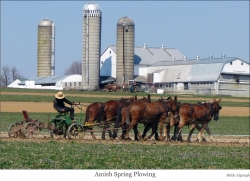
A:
[66,109]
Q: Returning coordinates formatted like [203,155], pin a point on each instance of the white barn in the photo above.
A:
[143,57]
[64,82]
[227,76]
[167,69]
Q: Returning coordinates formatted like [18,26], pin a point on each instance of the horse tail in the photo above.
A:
[128,115]
[118,117]
[100,113]
[86,115]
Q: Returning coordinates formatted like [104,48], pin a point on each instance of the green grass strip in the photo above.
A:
[72,155]
[226,125]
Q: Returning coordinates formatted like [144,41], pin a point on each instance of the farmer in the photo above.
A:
[59,104]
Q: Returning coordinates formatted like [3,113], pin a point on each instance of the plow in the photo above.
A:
[60,126]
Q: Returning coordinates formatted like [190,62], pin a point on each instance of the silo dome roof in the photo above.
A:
[126,20]
[91,6]
[45,22]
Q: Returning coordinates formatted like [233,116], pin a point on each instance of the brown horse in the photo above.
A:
[173,120]
[94,113]
[110,112]
[112,88]
[121,117]
[150,113]
[195,114]
[154,126]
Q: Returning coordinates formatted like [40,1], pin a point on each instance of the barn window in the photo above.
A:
[70,84]
[74,83]
[79,83]
[231,63]
[65,83]
[241,63]
[109,52]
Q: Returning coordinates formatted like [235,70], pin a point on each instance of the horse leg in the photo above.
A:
[124,128]
[104,131]
[92,133]
[154,130]
[208,132]
[110,133]
[136,132]
[201,131]
[168,127]
[161,129]
[146,129]
[177,132]
[190,133]
[156,133]
[131,125]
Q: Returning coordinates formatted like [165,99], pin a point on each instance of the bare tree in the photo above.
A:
[5,76]
[75,68]
[9,75]
[15,73]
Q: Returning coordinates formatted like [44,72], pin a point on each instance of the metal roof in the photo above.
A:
[176,73]
[149,56]
[140,78]
[45,22]
[205,72]
[125,21]
[46,80]
[91,6]
[194,61]
[197,70]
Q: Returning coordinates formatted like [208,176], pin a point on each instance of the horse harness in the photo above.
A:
[204,117]
[159,111]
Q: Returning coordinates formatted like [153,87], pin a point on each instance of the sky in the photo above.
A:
[193,27]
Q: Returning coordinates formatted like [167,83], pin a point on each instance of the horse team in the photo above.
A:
[127,113]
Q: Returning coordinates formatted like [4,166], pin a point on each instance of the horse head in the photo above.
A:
[216,109]
[171,104]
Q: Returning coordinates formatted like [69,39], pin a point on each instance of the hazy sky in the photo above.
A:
[194,28]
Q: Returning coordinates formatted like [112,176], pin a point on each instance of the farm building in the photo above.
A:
[64,82]
[143,57]
[225,76]
[163,70]
[167,69]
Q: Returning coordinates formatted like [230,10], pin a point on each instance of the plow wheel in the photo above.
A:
[75,131]
[55,135]
[30,130]
[13,130]
[58,133]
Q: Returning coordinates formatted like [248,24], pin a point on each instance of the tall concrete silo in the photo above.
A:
[91,46]
[46,48]
[125,50]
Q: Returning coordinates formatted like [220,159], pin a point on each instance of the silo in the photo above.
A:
[46,48]
[91,46]
[125,50]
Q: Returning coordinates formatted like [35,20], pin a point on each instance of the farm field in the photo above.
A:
[228,150]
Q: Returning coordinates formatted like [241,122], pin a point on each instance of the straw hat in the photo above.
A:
[59,95]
